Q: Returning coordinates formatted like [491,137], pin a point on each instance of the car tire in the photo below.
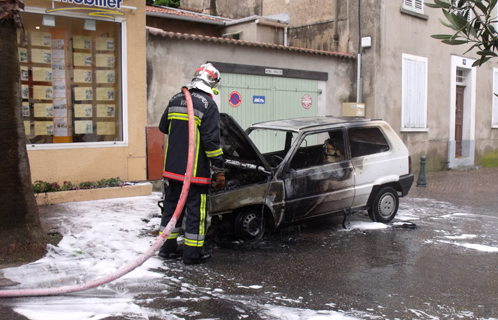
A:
[384,206]
[249,226]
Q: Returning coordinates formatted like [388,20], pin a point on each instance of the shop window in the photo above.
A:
[71,80]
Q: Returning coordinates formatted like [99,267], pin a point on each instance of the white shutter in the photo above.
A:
[414,92]
[414,5]
[494,116]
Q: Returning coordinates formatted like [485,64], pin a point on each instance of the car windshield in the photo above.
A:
[272,142]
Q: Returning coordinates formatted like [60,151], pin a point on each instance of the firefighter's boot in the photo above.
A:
[195,255]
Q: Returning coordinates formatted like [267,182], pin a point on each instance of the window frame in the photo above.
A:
[404,89]
[124,85]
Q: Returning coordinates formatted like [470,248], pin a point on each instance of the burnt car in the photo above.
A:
[285,172]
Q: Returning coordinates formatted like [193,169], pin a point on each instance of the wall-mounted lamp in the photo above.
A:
[89,25]
[48,20]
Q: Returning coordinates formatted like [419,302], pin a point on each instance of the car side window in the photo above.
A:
[365,141]
[318,149]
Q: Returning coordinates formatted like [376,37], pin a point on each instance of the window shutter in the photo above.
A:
[414,93]
[414,5]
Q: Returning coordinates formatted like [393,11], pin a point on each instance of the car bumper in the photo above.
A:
[406,182]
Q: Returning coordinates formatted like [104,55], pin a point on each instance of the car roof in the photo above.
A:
[300,124]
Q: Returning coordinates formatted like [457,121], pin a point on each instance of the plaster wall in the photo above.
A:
[382,94]
[180,57]
[80,163]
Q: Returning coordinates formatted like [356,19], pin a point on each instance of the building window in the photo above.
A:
[414,93]
[414,5]
[71,80]
[494,116]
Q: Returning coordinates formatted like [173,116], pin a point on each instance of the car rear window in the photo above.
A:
[365,141]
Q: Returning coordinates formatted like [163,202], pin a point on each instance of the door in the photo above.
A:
[459,120]
[319,177]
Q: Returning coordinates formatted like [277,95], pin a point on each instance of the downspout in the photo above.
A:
[285,37]
[336,23]
[359,82]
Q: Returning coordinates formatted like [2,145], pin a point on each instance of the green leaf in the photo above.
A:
[442,4]
[442,36]
[487,52]
[432,5]
[455,42]
[444,23]
[480,5]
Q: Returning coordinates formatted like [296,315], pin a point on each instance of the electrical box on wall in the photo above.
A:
[353,109]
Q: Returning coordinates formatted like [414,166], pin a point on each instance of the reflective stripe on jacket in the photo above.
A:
[174,123]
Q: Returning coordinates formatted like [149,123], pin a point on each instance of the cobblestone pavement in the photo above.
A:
[477,188]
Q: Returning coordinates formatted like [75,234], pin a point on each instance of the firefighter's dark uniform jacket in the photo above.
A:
[174,123]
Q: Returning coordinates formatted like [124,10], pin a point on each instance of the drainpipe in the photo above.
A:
[285,37]
[359,82]
[336,23]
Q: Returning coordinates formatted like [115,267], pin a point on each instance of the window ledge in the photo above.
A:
[494,126]
[415,14]
[414,130]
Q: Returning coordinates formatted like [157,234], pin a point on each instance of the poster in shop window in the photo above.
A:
[24,73]
[23,55]
[42,74]
[43,128]
[106,128]
[41,55]
[40,39]
[43,110]
[60,127]
[82,75]
[104,44]
[27,127]
[58,69]
[81,42]
[105,60]
[105,94]
[83,127]
[82,59]
[60,107]
[25,91]
[106,76]
[106,110]
[83,111]
[25,109]
[42,92]
[83,93]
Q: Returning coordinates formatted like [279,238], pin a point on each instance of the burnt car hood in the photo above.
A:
[237,145]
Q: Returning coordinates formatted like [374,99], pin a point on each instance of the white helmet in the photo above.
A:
[206,78]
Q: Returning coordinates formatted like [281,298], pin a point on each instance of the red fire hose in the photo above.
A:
[144,257]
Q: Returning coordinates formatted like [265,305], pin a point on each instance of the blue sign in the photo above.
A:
[258,99]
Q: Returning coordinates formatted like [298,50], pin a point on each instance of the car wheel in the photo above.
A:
[249,226]
[385,205]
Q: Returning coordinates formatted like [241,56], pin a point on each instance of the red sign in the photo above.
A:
[306,101]
[235,99]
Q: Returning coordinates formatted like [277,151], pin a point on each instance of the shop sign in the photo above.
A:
[104,11]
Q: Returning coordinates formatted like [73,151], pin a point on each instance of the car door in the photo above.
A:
[318,178]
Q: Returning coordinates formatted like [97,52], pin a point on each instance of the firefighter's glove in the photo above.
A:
[218,179]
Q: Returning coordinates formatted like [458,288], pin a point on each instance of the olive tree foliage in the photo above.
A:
[473,22]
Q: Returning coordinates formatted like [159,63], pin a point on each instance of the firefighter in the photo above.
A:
[207,158]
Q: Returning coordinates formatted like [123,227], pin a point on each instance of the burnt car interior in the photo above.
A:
[322,152]
[365,141]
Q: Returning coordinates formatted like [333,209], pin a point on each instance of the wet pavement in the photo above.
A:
[438,260]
